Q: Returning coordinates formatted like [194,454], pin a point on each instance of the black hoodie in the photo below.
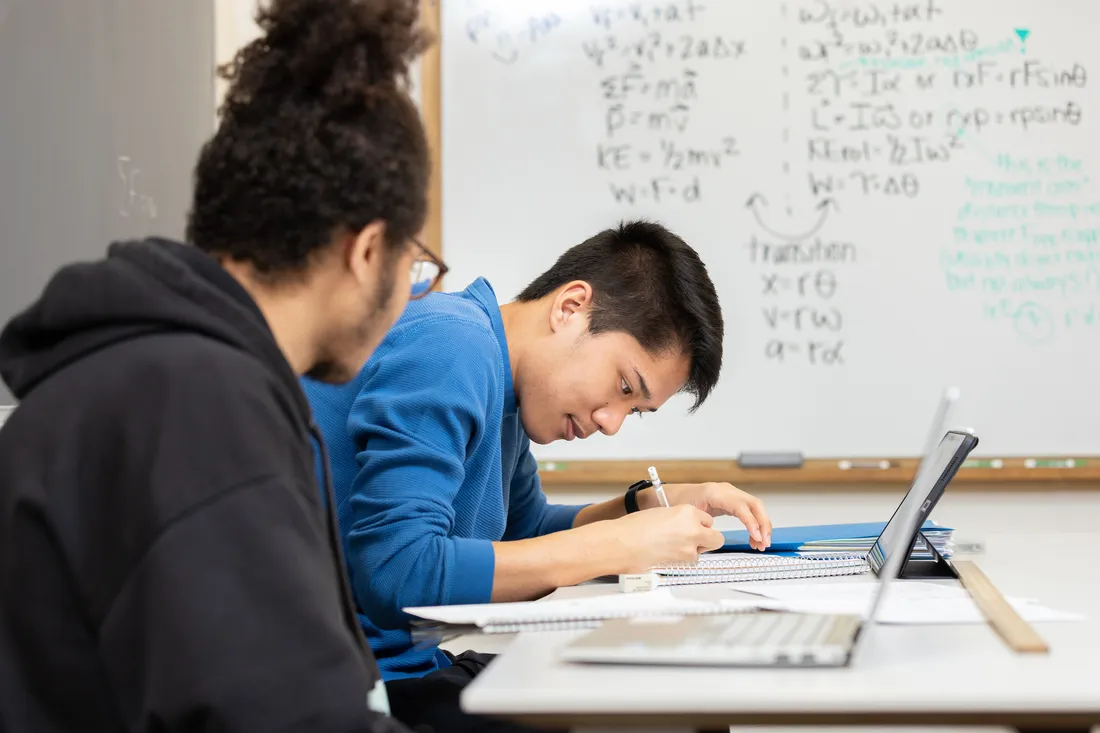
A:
[166,560]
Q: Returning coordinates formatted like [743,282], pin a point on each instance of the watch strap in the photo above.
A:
[631,498]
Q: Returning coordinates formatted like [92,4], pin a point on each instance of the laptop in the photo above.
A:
[780,639]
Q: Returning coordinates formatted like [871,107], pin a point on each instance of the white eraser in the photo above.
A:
[635,582]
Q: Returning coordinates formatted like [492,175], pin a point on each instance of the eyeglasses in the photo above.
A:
[426,271]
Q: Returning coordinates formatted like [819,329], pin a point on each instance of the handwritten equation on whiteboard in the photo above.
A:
[135,202]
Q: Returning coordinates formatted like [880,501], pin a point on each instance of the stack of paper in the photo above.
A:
[729,567]
[907,602]
[829,538]
[587,612]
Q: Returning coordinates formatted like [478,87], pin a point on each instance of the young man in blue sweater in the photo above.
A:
[437,490]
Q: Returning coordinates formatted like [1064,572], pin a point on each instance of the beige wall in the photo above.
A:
[233,28]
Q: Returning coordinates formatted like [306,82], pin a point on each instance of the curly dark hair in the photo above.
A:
[648,283]
[318,135]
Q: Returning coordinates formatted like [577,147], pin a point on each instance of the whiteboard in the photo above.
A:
[892,198]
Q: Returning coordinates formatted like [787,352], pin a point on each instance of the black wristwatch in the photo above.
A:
[631,498]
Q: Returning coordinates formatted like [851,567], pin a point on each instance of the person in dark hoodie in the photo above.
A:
[167,560]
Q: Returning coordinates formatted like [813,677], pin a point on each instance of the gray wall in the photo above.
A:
[104,105]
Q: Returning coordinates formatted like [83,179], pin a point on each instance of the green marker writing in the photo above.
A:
[984,463]
[1054,463]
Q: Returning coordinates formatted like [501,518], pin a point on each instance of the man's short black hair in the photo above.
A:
[648,283]
[318,135]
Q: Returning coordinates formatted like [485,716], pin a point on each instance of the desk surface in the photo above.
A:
[900,674]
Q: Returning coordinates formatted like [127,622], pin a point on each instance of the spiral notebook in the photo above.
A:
[430,622]
[736,566]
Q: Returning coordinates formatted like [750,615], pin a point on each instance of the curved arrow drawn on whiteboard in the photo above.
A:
[753,204]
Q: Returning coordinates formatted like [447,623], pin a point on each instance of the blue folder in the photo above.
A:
[790,539]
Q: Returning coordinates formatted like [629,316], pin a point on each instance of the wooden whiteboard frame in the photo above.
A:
[819,473]
[623,473]
[430,109]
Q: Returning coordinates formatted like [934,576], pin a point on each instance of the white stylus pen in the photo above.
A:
[658,488]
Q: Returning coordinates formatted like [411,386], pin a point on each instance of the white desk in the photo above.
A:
[901,675]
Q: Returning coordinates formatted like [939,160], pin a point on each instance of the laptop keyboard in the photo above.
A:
[775,638]
[763,639]
[776,629]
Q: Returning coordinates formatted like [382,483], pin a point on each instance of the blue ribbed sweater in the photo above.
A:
[430,465]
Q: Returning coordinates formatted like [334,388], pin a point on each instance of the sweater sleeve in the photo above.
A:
[529,513]
[419,411]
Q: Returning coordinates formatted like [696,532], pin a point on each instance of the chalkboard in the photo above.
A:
[892,197]
[104,105]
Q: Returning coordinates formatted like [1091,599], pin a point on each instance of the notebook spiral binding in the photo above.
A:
[766,567]
[549,623]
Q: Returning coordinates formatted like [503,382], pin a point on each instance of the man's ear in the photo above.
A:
[363,250]
[572,302]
